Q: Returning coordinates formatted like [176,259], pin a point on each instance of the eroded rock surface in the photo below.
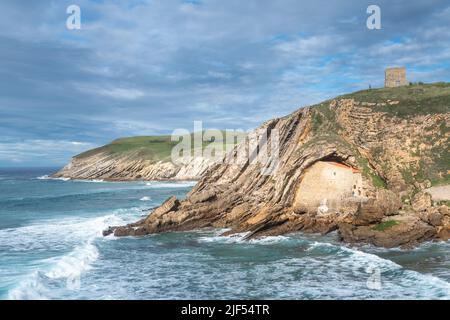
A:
[354,134]
[110,167]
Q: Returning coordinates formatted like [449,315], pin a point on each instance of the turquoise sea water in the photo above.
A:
[51,247]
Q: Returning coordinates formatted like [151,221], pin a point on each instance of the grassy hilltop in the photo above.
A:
[404,129]
[400,136]
[153,148]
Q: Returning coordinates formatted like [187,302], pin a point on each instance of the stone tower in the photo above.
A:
[395,77]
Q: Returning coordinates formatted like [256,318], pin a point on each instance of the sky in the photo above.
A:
[149,67]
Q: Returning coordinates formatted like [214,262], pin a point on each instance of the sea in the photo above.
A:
[51,247]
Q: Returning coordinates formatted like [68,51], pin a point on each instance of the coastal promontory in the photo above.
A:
[373,165]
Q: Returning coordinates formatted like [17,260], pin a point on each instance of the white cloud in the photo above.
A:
[118,93]
[154,66]
[313,46]
[122,93]
[33,149]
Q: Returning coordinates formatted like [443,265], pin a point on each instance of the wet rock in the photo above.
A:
[124,231]
[108,231]
[170,204]
[405,231]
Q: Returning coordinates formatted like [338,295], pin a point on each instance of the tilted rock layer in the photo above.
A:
[113,167]
[398,149]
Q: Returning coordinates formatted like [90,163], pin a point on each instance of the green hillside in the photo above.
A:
[155,148]
[414,99]
[419,149]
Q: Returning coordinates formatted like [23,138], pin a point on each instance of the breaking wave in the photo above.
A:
[47,177]
[60,273]
[175,184]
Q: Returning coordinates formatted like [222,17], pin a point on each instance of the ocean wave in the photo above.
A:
[62,271]
[145,199]
[327,270]
[76,194]
[174,184]
[92,181]
[47,177]
[395,281]
[65,272]
[60,234]
[240,238]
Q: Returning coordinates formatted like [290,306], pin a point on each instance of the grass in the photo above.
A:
[442,181]
[154,148]
[413,100]
[444,203]
[377,181]
[383,226]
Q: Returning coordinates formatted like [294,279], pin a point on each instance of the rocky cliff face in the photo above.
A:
[399,151]
[109,167]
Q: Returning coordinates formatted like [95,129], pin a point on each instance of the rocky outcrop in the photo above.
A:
[365,136]
[132,166]
[421,201]
[400,230]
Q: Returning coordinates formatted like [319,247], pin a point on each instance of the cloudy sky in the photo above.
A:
[148,67]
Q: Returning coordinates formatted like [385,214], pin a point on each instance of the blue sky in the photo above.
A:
[149,67]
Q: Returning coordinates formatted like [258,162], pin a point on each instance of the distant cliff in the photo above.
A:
[135,158]
[392,142]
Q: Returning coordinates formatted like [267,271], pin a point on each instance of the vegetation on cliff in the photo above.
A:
[141,158]
[154,148]
[397,138]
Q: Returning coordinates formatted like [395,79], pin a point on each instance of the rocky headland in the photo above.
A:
[375,155]
[136,158]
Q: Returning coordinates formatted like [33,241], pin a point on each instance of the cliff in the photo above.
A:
[134,158]
[393,142]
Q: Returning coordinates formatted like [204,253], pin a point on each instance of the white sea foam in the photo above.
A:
[240,238]
[175,184]
[47,177]
[58,234]
[145,199]
[91,180]
[87,192]
[77,233]
[396,281]
[329,270]
[67,270]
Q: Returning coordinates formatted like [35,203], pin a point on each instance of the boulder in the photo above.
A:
[421,201]
[170,204]
[202,196]
[404,231]
[375,209]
